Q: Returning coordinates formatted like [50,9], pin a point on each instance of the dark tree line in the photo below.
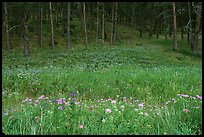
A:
[156,18]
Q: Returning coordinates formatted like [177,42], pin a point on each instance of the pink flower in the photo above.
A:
[41,97]
[81,126]
[130,98]
[186,110]
[122,107]
[36,101]
[140,105]
[108,111]
[199,97]
[124,100]
[113,101]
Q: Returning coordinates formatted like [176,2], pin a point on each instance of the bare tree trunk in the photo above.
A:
[112,28]
[103,24]
[25,35]
[174,20]
[85,29]
[115,21]
[68,24]
[7,27]
[195,38]
[40,24]
[51,25]
[189,38]
[97,20]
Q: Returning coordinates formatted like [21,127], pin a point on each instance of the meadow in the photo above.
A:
[127,88]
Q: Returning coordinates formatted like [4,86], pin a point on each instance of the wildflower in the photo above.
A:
[60,108]
[36,101]
[103,120]
[10,117]
[122,107]
[124,97]
[41,97]
[130,98]
[135,109]
[81,126]
[124,100]
[67,104]
[186,110]
[199,97]
[184,95]
[140,105]
[197,107]
[113,101]
[108,111]
[71,94]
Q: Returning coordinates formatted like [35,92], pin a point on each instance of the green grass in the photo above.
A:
[150,73]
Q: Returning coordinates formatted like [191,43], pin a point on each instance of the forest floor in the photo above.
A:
[142,88]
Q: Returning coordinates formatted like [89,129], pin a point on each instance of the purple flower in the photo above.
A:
[108,111]
[60,108]
[71,94]
[199,97]
[122,106]
[67,104]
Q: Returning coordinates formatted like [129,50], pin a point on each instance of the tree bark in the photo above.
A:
[189,38]
[40,24]
[97,23]
[195,38]
[25,35]
[112,28]
[7,28]
[174,21]
[68,24]
[115,21]
[103,24]
[85,29]
[51,25]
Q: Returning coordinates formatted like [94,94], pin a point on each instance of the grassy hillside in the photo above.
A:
[141,87]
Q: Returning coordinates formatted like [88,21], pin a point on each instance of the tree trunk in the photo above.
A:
[174,20]
[40,24]
[112,28]
[195,38]
[189,38]
[7,28]
[68,24]
[85,29]
[51,26]
[103,24]
[97,21]
[25,35]
[115,21]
